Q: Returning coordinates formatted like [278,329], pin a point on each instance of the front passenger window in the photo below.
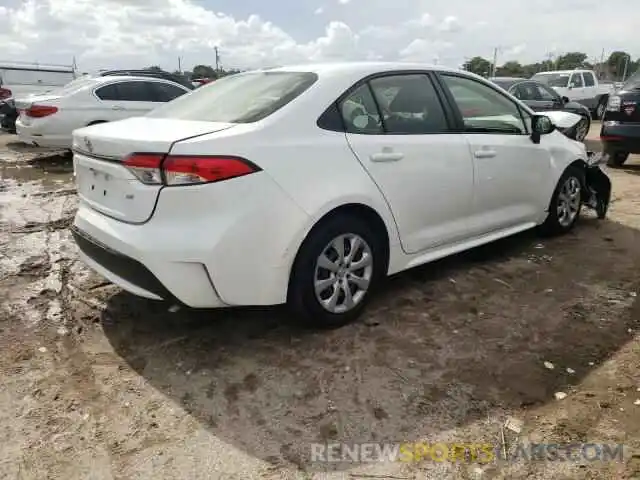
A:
[484,109]
[576,80]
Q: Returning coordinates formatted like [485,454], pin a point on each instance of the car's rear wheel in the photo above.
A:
[601,108]
[338,266]
[617,159]
[566,202]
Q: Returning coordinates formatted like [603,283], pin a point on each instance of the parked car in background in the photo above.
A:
[620,131]
[580,86]
[19,79]
[542,98]
[183,204]
[48,119]
[8,115]
[198,82]
[8,120]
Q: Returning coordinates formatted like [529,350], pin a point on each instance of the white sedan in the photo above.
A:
[48,119]
[308,185]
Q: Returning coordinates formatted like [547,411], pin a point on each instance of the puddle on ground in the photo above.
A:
[46,173]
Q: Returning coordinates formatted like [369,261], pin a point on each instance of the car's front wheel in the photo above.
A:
[582,129]
[335,271]
[566,202]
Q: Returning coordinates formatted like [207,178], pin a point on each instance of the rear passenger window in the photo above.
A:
[589,81]
[409,104]
[165,92]
[136,91]
[108,92]
[360,112]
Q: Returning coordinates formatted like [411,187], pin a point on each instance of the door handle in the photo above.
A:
[485,153]
[386,157]
[117,107]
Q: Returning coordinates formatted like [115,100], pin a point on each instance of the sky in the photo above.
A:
[263,33]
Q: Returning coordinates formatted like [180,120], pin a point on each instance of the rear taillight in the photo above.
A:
[5,93]
[156,169]
[39,111]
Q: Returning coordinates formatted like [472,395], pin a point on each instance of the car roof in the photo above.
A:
[508,79]
[561,72]
[119,78]
[362,68]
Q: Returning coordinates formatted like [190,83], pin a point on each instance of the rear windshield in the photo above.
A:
[240,98]
[633,82]
[553,79]
[72,86]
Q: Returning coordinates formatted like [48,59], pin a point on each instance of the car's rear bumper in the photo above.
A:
[204,247]
[620,137]
[35,135]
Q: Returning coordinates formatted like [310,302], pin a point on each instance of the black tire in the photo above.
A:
[584,120]
[301,298]
[552,225]
[601,108]
[617,159]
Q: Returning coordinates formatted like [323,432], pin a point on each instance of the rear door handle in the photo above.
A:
[386,157]
[117,107]
[485,154]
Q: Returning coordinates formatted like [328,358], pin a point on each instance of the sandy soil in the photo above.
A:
[98,384]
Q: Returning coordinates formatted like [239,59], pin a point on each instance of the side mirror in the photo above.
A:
[571,85]
[565,100]
[540,125]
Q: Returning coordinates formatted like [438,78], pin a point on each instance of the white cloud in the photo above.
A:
[129,33]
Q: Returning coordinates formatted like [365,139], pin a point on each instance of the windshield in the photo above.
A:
[553,79]
[240,98]
[633,83]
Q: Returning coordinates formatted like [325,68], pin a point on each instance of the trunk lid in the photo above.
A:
[104,183]
[629,111]
[22,103]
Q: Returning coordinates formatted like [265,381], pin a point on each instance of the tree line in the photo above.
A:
[201,71]
[618,65]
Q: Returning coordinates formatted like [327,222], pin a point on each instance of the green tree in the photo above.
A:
[154,68]
[478,65]
[510,69]
[204,71]
[571,60]
[616,62]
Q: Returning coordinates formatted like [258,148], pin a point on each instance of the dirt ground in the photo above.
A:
[97,384]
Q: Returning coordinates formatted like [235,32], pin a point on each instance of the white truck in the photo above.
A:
[580,86]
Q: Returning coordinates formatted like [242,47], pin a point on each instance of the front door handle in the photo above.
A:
[485,154]
[386,157]
[117,107]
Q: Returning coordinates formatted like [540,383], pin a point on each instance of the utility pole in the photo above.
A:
[180,64]
[495,61]
[626,65]
[217,59]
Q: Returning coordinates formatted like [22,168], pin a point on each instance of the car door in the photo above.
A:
[576,87]
[137,96]
[397,127]
[510,171]
[110,105]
